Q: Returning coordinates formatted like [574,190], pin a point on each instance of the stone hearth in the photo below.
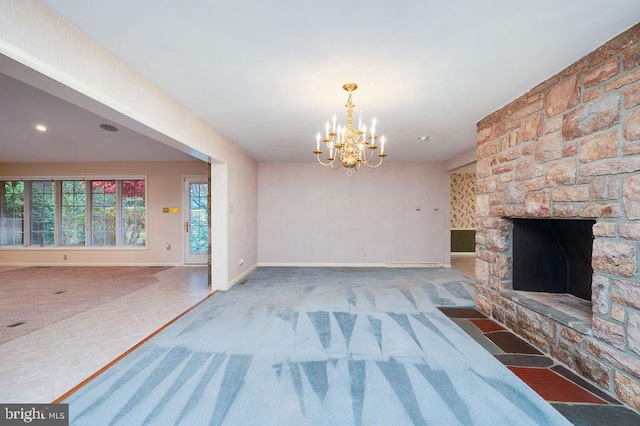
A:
[570,149]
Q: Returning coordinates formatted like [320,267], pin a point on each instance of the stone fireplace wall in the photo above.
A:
[570,149]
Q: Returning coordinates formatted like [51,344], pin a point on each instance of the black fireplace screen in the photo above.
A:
[553,255]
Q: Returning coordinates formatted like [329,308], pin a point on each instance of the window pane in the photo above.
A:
[42,209]
[133,212]
[11,213]
[198,218]
[73,212]
[103,212]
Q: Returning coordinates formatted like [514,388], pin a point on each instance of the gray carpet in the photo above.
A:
[316,346]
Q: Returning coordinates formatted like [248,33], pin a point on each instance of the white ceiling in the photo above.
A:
[71,131]
[268,74]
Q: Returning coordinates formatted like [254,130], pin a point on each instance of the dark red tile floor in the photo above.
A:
[579,401]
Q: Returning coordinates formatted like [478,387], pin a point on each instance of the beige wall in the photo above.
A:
[243,217]
[164,189]
[309,214]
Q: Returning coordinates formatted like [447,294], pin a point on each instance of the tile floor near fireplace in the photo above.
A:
[579,401]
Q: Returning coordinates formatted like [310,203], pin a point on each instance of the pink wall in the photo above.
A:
[242,213]
[309,214]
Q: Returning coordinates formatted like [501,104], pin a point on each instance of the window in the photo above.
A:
[11,213]
[74,202]
[73,212]
[42,213]
[198,217]
[133,212]
[103,212]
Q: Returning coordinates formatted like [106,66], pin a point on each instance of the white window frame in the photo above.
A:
[26,243]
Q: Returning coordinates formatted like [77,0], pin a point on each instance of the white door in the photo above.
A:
[196,221]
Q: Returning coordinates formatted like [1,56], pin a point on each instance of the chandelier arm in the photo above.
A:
[324,164]
[368,158]
[379,162]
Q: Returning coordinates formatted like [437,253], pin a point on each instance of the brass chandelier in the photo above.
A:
[351,147]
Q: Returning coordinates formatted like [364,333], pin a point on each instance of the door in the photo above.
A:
[196,224]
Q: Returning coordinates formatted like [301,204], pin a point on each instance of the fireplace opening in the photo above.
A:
[553,256]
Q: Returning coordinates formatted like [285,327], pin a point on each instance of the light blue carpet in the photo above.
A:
[316,346]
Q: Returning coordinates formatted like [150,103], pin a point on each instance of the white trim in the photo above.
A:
[413,264]
[188,258]
[66,263]
[463,253]
[240,277]
[323,265]
[463,229]
[355,265]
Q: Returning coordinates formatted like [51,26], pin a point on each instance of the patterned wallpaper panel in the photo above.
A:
[463,201]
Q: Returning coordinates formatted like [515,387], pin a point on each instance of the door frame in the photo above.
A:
[189,259]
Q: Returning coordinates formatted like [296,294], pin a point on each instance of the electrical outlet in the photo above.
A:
[64,257]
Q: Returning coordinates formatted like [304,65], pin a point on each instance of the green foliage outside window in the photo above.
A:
[133,212]
[73,212]
[42,213]
[117,212]
[103,213]
[11,213]
[199,218]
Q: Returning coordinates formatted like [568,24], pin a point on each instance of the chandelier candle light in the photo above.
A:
[352,147]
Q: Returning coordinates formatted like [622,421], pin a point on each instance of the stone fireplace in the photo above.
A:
[558,176]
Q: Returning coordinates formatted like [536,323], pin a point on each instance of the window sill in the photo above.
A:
[73,248]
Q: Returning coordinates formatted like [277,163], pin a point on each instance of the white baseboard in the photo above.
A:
[27,264]
[322,265]
[240,277]
[355,265]
[413,265]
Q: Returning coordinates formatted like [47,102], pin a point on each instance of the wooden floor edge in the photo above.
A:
[127,352]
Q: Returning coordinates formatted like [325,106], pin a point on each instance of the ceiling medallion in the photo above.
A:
[350,146]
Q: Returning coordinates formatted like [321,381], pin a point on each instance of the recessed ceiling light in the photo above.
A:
[424,138]
[41,128]
[108,127]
